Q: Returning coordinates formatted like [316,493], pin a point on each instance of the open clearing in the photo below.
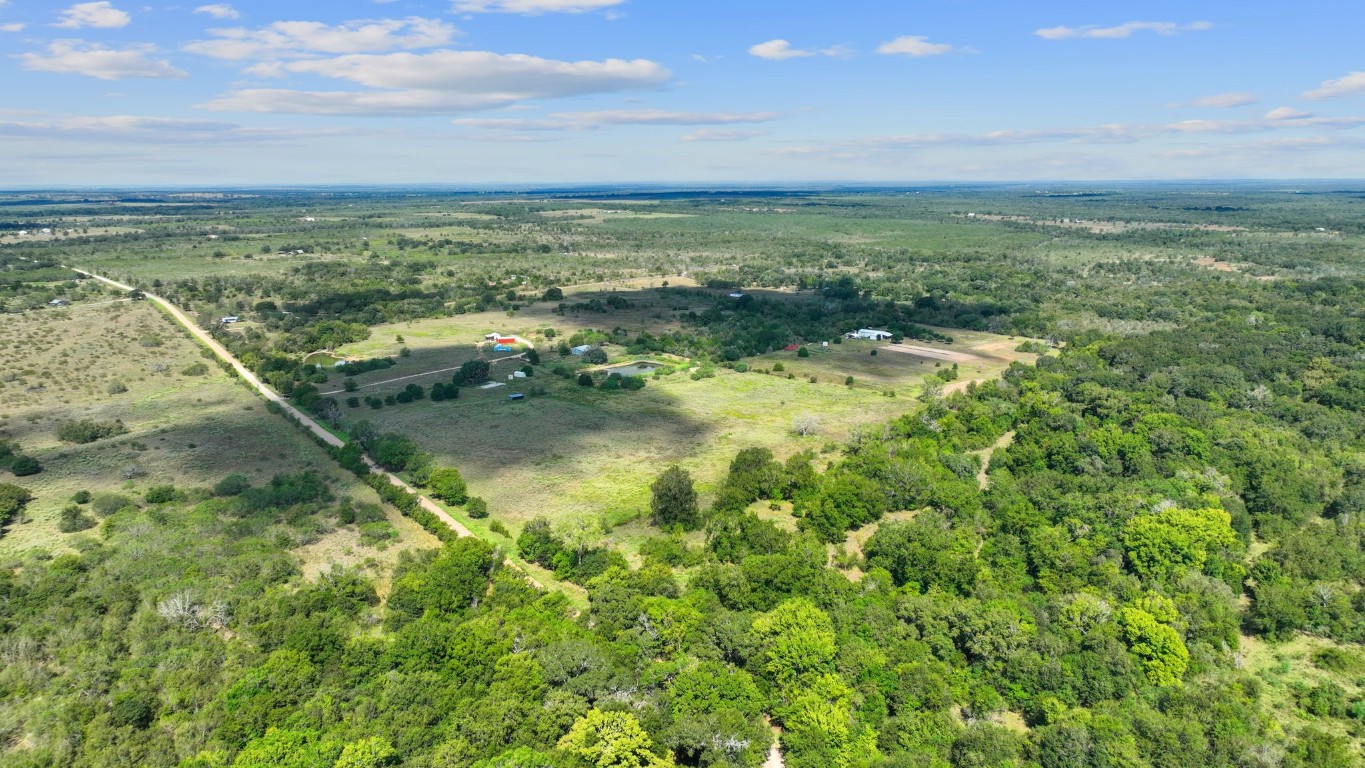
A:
[1289,665]
[580,453]
[189,423]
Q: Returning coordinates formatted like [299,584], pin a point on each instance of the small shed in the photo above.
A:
[230,319]
[516,396]
[582,349]
[58,303]
[791,348]
[501,348]
[737,294]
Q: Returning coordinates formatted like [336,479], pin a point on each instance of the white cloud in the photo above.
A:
[442,82]
[101,14]
[157,130]
[1342,86]
[285,39]
[533,7]
[580,121]
[1218,101]
[219,11]
[1095,134]
[914,45]
[1121,31]
[663,117]
[1287,113]
[778,50]
[78,57]
[12,27]
[722,134]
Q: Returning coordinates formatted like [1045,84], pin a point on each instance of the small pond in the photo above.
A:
[323,360]
[640,368]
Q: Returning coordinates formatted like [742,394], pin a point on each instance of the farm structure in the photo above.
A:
[872,334]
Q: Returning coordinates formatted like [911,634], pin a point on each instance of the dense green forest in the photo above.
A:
[1068,566]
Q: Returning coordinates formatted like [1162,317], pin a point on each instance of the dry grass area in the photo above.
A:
[187,425]
[343,547]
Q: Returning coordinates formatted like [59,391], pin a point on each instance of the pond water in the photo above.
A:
[323,360]
[641,368]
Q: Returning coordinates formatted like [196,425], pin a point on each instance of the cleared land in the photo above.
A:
[579,453]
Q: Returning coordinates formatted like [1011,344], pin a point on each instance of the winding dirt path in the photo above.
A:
[983,479]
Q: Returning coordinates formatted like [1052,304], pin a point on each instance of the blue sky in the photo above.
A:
[556,91]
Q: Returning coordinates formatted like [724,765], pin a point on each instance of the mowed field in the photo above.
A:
[575,453]
[189,423]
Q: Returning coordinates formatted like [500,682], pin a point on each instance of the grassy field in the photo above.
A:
[1290,667]
[189,423]
[578,453]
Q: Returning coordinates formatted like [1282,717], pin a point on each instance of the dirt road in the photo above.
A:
[274,397]
[931,353]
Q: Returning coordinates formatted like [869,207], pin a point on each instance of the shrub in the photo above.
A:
[195,369]
[377,533]
[13,499]
[367,513]
[81,497]
[232,485]
[352,402]
[160,494]
[86,431]
[117,388]
[585,380]
[778,367]
[477,508]
[595,356]
[803,352]
[72,520]
[497,527]
[23,466]
[106,504]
